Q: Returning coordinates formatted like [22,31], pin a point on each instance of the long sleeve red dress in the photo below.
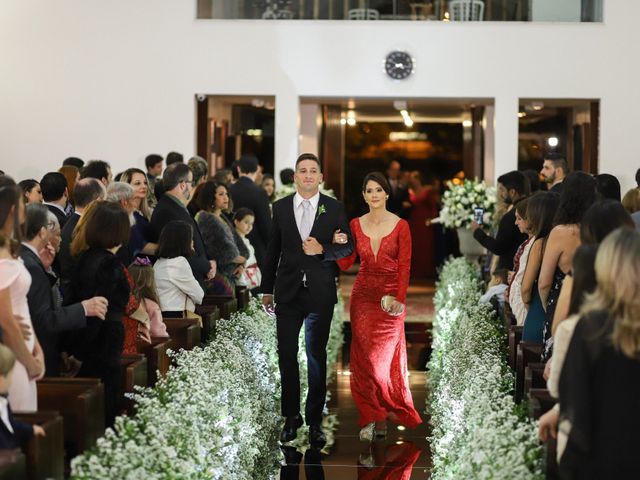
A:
[379,383]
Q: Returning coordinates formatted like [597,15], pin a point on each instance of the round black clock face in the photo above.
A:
[398,65]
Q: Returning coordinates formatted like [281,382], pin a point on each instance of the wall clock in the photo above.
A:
[398,65]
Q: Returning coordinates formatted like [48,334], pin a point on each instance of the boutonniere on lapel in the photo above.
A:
[321,210]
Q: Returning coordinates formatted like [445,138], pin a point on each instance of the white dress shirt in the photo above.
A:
[177,287]
[4,413]
[298,209]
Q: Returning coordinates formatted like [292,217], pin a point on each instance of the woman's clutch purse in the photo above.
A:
[386,301]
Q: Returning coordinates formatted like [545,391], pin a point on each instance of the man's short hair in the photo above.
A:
[96,169]
[638,177]
[174,174]
[559,161]
[119,191]
[286,176]
[37,217]
[174,157]
[152,160]
[53,185]
[248,164]
[309,156]
[199,167]
[74,162]
[86,191]
[515,180]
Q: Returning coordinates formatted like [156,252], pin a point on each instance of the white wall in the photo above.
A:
[556,10]
[115,79]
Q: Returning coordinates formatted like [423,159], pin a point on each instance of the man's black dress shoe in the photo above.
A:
[317,438]
[290,429]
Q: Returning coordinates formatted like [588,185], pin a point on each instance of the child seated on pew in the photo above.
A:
[13,433]
[144,278]
[497,287]
[251,276]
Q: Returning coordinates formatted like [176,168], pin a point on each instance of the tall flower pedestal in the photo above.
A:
[469,246]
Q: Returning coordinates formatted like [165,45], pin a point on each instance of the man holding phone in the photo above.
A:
[512,187]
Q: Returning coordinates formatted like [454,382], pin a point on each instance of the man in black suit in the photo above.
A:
[86,191]
[554,170]
[300,266]
[399,197]
[512,187]
[55,195]
[246,194]
[177,179]
[48,319]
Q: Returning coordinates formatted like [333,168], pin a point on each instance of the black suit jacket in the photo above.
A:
[62,218]
[168,210]
[507,240]
[286,263]
[398,196]
[21,433]
[247,194]
[49,321]
[64,255]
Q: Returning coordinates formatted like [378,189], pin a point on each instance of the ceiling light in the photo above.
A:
[351,104]
[257,102]
[400,105]
[467,123]
[351,121]
[537,106]
[522,114]
[408,122]
[552,141]
[343,121]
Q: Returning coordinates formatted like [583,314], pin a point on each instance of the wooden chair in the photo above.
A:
[134,372]
[80,401]
[466,10]
[243,296]
[526,353]
[515,336]
[185,332]
[157,358]
[13,464]
[364,14]
[44,455]
[226,304]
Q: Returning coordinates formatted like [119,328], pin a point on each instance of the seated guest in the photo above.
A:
[511,187]
[99,170]
[13,433]
[251,276]
[55,195]
[86,191]
[209,201]
[31,190]
[98,272]
[50,319]
[599,387]
[514,292]
[496,288]
[143,276]
[608,186]
[140,241]
[177,288]
[72,175]
[177,185]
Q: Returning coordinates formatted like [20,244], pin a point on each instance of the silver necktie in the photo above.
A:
[307,220]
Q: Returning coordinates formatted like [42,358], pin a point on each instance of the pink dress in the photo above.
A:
[23,395]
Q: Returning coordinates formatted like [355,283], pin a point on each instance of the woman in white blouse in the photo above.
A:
[178,289]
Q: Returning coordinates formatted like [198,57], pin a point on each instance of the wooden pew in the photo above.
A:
[185,332]
[210,315]
[13,464]
[515,337]
[243,296]
[534,377]
[226,304]
[134,372]
[44,455]
[157,358]
[80,401]
[526,353]
[540,402]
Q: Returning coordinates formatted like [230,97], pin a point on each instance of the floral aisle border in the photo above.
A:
[214,416]
[478,430]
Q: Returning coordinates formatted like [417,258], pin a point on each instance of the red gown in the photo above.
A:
[379,383]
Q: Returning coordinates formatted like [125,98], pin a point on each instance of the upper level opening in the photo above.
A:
[417,10]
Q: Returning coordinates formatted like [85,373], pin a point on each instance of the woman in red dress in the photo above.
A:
[423,208]
[379,382]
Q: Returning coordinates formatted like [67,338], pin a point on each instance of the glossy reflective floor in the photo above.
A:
[403,455]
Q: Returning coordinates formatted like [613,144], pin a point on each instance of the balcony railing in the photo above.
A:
[434,10]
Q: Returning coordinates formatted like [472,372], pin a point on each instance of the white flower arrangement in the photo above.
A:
[459,202]
[478,431]
[216,415]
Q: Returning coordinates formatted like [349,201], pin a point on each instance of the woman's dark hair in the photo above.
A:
[608,186]
[27,186]
[379,178]
[602,218]
[108,227]
[243,212]
[579,192]
[521,206]
[10,195]
[204,197]
[540,210]
[584,276]
[268,176]
[175,240]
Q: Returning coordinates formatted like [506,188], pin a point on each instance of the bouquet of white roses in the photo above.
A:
[460,201]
